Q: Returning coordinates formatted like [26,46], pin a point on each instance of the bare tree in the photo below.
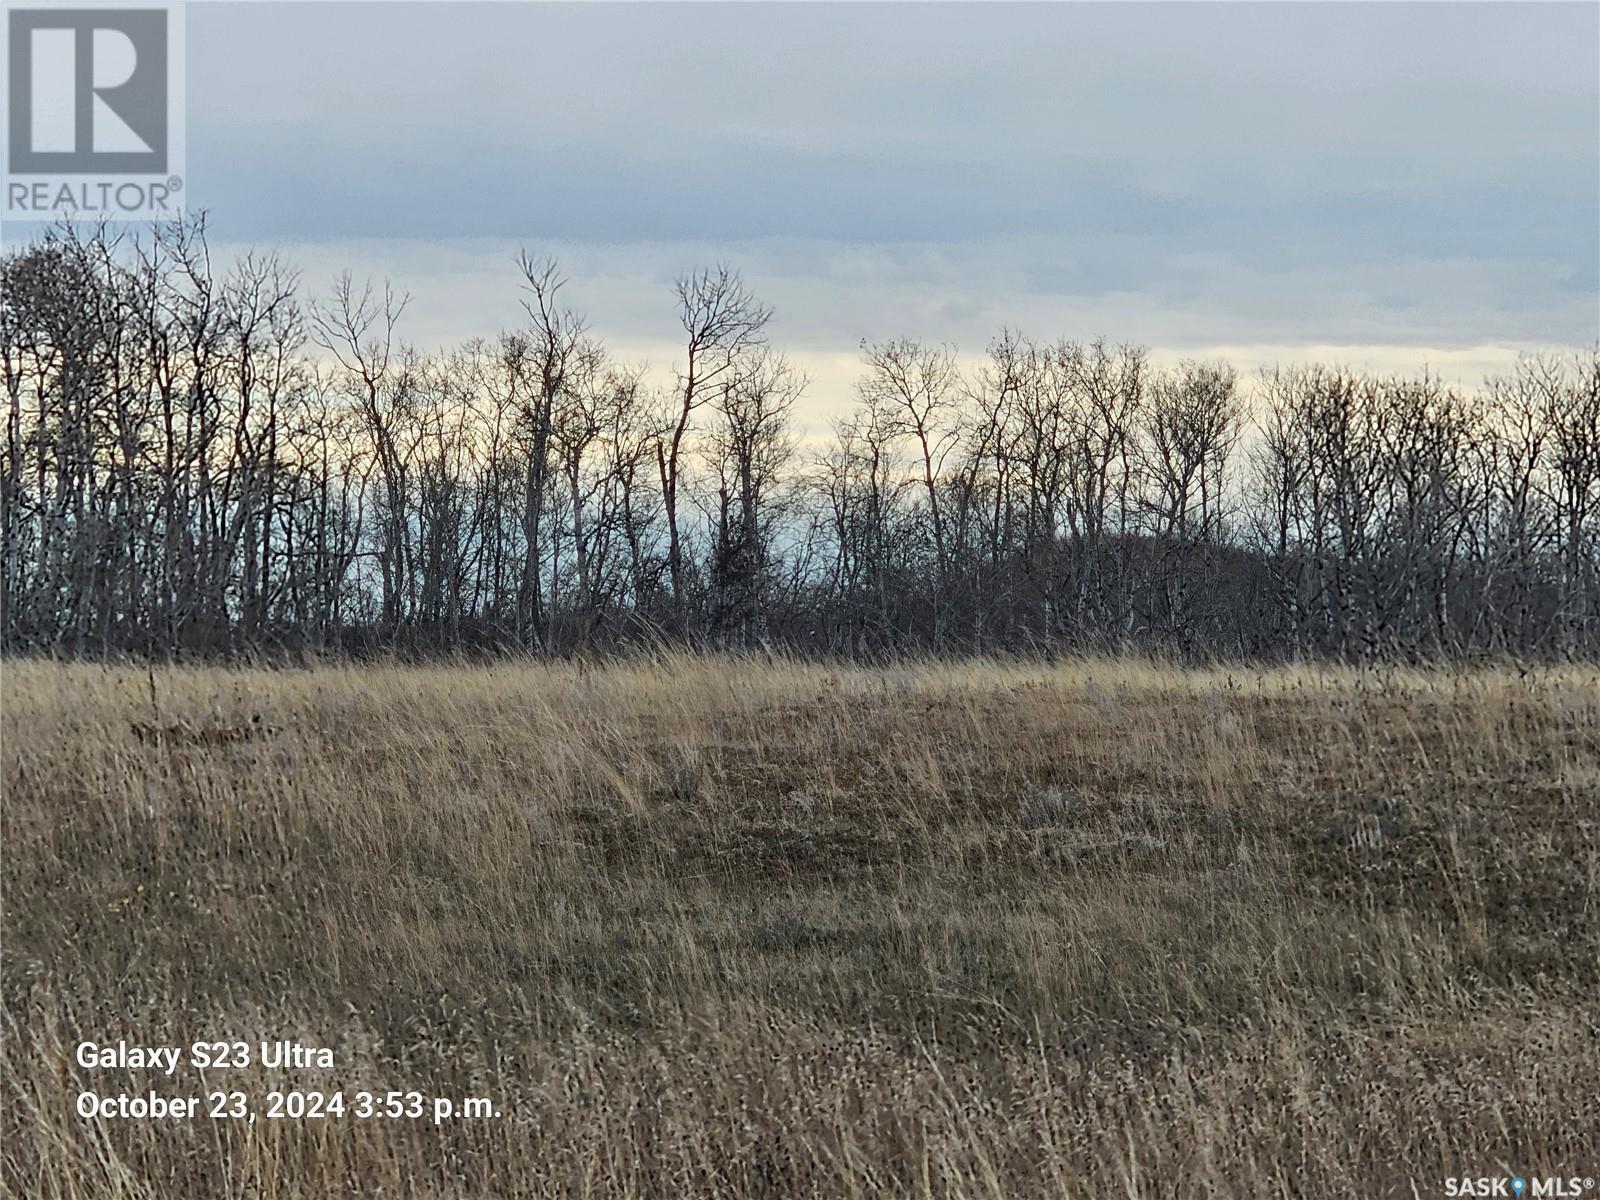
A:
[917,388]
[555,338]
[724,325]
[747,451]
[358,329]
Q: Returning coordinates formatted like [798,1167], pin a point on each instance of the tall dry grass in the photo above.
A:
[709,927]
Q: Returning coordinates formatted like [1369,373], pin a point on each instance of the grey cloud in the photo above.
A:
[1220,171]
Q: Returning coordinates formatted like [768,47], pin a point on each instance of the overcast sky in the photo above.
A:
[1386,184]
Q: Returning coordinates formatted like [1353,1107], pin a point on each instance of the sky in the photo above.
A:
[1387,185]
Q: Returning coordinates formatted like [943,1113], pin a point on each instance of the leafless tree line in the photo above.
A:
[198,461]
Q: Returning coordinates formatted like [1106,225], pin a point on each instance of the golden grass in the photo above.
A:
[712,927]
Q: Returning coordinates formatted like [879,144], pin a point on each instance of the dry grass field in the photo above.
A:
[704,927]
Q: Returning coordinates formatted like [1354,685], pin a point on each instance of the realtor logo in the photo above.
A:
[95,113]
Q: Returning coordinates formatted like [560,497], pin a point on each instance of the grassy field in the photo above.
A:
[712,928]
